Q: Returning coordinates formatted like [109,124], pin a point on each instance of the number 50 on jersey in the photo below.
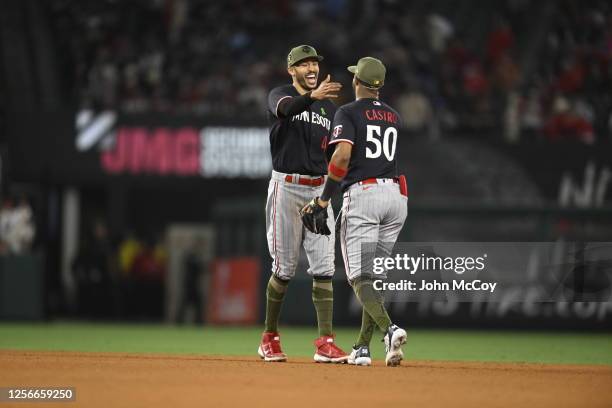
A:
[382,144]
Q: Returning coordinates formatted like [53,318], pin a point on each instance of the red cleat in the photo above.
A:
[270,348]
[328,352]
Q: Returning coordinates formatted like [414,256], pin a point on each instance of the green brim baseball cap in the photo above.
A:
[370,71]
[300,53]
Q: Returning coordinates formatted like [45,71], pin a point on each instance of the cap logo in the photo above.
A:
[306,49]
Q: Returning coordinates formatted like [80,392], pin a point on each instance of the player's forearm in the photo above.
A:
[295,105]
[336,172]
[340,160]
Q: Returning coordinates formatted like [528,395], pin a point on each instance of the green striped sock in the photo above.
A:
[372,302]
[367,329]
[275,294]
[323,300]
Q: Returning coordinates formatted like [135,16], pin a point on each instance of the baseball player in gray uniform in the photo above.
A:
[374,209]
[300,117]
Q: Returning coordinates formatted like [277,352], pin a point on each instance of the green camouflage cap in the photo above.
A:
[301,52]
[369,70]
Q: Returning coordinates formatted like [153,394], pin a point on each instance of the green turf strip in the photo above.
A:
[541,347]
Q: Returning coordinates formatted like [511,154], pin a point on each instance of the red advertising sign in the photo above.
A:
[167,148]
[234,291]
[160,151]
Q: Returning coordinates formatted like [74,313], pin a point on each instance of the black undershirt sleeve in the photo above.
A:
[330,188]
[293,106]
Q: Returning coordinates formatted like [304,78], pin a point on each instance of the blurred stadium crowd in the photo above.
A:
[119,278]
[527,69]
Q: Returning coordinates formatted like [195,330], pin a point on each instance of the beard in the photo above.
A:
[304,83]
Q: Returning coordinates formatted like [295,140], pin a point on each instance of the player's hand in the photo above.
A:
[326,89]
[314,217]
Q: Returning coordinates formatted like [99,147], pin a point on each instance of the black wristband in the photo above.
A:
[331,186]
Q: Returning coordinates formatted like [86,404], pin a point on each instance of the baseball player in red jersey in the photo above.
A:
[300,117]
[374,209]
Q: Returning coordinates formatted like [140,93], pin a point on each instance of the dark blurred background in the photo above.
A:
[135,157]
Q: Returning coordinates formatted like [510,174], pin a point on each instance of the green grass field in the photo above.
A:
[458,345]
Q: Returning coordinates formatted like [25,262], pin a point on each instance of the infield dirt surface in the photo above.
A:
[154,380]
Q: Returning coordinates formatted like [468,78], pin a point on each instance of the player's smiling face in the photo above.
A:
[306,73]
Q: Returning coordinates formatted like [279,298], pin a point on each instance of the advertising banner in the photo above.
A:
[93,147]
[234,292]
[194,148]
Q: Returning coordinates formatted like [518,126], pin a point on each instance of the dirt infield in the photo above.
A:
[142,380]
